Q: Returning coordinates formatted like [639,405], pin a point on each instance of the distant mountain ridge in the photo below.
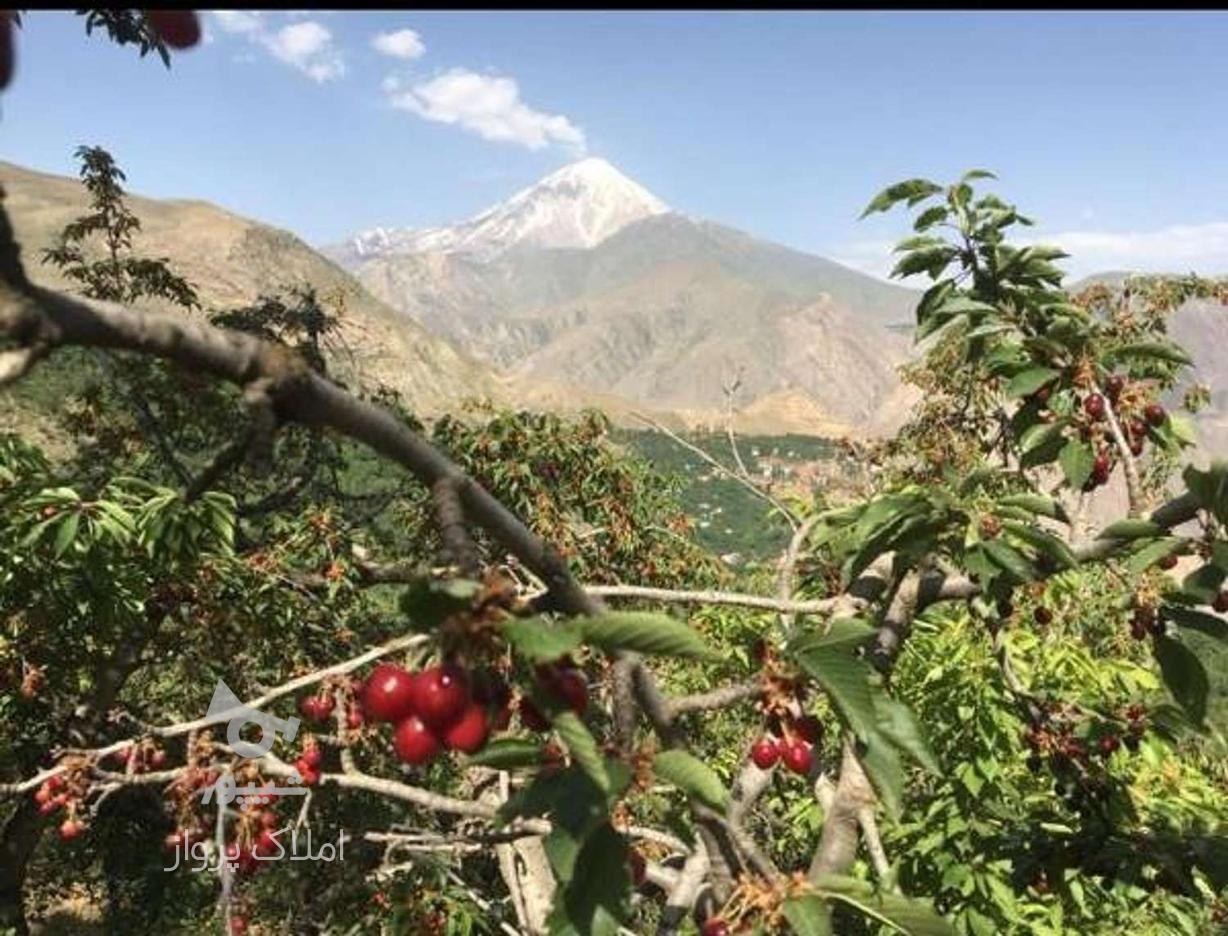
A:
[589,280]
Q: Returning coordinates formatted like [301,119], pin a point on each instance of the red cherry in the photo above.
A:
[354,717]
[70,829]
[157,760]
[570,686]
[388,695]
[1136,446]
[1220,603]
[440,694]
[179,29]
[531,716]
[42,795]
[316,708]
[308,774]
[1093,405]
[808,728]
[266,844]
[714,926]
[765,752]
[798,757]
[238,926]
[469,733]
[55,783]
[312,756]
[1114,385]
[53,805]
[1154,413]
[413,741]
[1109,744]
[1168,562]
[268,819]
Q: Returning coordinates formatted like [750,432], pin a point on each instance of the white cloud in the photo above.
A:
[1178,248]
[486,105]
[403,44]
[242,22]
[307,46]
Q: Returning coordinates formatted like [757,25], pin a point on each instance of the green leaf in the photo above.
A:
[929,217]
[907,915]
[807,916]
[506,754]
[66,533]
[693,777]
[1184,675]
[1130,529]
[913,190]
[974,174]
[643,632]
[1037,504]
[1076,459]
[1209,624]
[843,633]
[1153,552]
[592,902]
[1149,350]
[846,679]
[542,640]
[582,747]
[1044,543]
[1041,444]
[1010,560]
[885,770]
[1031,380]
[932,260]
[899,725]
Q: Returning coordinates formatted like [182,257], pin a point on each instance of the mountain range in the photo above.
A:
[584,289]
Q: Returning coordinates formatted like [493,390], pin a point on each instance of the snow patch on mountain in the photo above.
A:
[578,206]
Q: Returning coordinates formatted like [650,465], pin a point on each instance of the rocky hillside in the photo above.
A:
[233,260]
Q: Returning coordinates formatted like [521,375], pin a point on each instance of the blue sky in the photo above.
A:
[1107,127]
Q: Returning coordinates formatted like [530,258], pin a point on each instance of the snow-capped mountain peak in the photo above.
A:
[579,205]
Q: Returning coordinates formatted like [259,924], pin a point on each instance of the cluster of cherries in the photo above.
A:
[1073,761]
[795,749]
[53,795]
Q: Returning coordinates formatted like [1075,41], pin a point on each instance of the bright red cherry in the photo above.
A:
[317,708]
[413,741]
[71,829]
[266,844]
[388,695]
[765,752]
[798,757]
[308,774]
[440,695]
[238,926]
[179,29]
[354,717]
[469,732]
